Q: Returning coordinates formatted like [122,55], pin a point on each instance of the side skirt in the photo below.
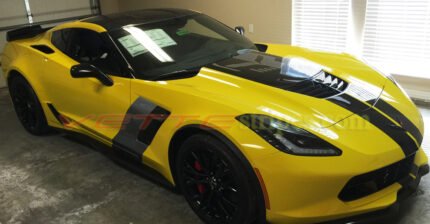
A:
[130,143]
[122,159]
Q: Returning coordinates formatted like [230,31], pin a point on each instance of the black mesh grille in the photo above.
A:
[372,182]
[323,85]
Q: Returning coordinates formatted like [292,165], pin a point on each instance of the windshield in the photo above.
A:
[177,44]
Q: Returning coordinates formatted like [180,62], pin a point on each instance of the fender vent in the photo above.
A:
[322,85]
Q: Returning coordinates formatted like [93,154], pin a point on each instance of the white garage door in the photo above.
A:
[17,13]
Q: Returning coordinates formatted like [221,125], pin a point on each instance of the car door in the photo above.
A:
[85,104]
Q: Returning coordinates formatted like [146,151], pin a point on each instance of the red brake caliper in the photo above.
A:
[200,187]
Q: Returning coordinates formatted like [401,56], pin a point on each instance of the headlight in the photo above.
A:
[288,138]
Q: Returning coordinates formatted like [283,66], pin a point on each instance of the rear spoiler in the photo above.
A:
[25,32]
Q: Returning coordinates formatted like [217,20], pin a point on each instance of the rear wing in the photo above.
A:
[25,32]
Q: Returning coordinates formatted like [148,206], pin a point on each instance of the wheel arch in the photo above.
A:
[189,130]
[12,74]
[181,136]
[30,76]
[15,72]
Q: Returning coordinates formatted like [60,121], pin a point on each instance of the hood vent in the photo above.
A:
[322,85]
[292,74]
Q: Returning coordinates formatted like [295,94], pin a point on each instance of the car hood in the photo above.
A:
[333,96]
[315,89]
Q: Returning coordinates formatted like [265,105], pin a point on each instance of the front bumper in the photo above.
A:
[410,186]
[306,190]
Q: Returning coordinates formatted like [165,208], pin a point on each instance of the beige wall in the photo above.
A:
[2,43]
[2,81]
[417,88]
[271,18]
[109,6]
[357,21]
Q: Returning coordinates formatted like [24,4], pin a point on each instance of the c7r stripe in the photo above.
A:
[400,118]
[396,133]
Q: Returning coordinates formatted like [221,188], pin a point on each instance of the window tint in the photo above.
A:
[87,46]
[60,38]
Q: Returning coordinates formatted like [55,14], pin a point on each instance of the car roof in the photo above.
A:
[144,16]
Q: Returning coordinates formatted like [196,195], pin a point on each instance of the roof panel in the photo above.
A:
[118,20]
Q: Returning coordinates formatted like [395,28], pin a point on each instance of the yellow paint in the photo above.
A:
[301,189]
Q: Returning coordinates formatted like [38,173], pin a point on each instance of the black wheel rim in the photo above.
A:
[211,185]
[25,106]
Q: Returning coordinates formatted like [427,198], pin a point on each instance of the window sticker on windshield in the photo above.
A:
[137,47]
[182,32]
[161,38]
[132,45]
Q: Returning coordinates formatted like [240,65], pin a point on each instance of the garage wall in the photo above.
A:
[109,6]
[271,19]
[13,13]
[48,10]
[2,42]
[2,82]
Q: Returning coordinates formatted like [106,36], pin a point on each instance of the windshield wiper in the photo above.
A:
[177,74]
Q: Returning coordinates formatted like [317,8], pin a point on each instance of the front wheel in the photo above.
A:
[27,106]
[215,182]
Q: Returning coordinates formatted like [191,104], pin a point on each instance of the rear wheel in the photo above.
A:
[27,106]
[214,181]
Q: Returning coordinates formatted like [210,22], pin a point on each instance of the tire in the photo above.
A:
[27,106]
[215,182]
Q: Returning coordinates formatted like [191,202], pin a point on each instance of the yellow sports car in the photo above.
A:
[249,133]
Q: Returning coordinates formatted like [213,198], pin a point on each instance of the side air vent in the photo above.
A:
[43,48]
[322,85]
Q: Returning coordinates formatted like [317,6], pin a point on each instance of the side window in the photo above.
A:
[87,46]
[60,38]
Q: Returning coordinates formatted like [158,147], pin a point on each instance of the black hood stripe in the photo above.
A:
[383,123]
[396,115]
[276,72]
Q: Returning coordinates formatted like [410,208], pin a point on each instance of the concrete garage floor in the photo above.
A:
[54,179]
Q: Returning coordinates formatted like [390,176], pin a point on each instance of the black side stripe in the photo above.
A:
[401,119]
[139,127]
[396,133]
[92,131]
[66,121]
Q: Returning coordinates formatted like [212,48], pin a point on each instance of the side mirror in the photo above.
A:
[240,30]
[90,71]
